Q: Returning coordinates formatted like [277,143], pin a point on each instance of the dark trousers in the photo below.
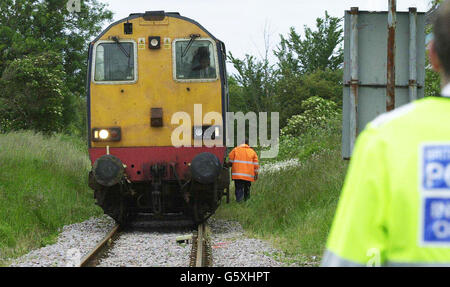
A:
[242,189]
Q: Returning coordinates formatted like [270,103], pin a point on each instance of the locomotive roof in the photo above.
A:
[167,14]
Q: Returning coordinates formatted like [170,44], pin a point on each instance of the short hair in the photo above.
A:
[202,53]
[441,31]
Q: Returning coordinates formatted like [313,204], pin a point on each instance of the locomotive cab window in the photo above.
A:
[115,62]
[195,60]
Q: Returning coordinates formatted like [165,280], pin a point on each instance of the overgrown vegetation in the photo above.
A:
[43,48]
[308,66]
[43,186]
[432,78]
[33,90]
[43,171]
[294,206]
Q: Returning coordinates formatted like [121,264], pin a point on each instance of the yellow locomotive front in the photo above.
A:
[144,72]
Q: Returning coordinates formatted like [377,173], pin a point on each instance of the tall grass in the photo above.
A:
[294,207]
[43,186]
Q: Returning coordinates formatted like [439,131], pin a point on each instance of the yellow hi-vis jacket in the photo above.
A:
[394,208]
[245,163]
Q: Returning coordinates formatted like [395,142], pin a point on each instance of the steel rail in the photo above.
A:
[89,259]
[201,248]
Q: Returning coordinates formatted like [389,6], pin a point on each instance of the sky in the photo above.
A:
[241,24]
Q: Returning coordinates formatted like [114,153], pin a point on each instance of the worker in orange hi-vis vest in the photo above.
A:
[244,162]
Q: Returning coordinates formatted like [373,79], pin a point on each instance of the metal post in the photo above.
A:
[412,54]
[354,81]
[390,88]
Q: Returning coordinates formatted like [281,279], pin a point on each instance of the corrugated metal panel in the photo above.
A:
[372,47]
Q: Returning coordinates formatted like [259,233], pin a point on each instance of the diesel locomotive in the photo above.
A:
[142,70]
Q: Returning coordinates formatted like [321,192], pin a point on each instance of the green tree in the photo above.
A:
[432,78]
[33,92]
[318,113]
[294,89]
[432,81]
[32,27]
[256,78]
[319,50]
[309,66]
[237,97]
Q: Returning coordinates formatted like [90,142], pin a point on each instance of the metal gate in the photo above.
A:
[384,66]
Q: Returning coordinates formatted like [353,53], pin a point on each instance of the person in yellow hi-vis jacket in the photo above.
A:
[244,171]
[394,209]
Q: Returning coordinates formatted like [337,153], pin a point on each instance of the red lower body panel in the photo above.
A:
[139,159]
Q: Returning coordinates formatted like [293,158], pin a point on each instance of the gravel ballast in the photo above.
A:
[230,247]
[75,241]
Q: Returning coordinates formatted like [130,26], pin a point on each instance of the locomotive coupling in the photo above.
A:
[108,170]
[205,168]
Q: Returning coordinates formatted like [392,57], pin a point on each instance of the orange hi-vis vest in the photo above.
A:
[245,163]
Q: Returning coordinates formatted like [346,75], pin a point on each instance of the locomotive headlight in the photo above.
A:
[198,132]
[154,42]
[211,132]
[103,134]
[106,134]
[217,132]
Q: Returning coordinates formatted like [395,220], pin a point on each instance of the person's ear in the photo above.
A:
[434,59]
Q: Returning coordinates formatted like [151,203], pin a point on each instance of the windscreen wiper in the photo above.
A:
[193,37]
[115,39]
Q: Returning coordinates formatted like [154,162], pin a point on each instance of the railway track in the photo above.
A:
[92,258]
[201,252]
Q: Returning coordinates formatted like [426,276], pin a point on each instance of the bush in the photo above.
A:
[312,141]
[318,114]
[294,89]
[311,132]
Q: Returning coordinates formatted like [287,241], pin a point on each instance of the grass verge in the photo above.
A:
[43,186]
[294,207]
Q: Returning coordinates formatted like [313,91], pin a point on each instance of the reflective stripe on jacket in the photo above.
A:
[245,163]
[394,209]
